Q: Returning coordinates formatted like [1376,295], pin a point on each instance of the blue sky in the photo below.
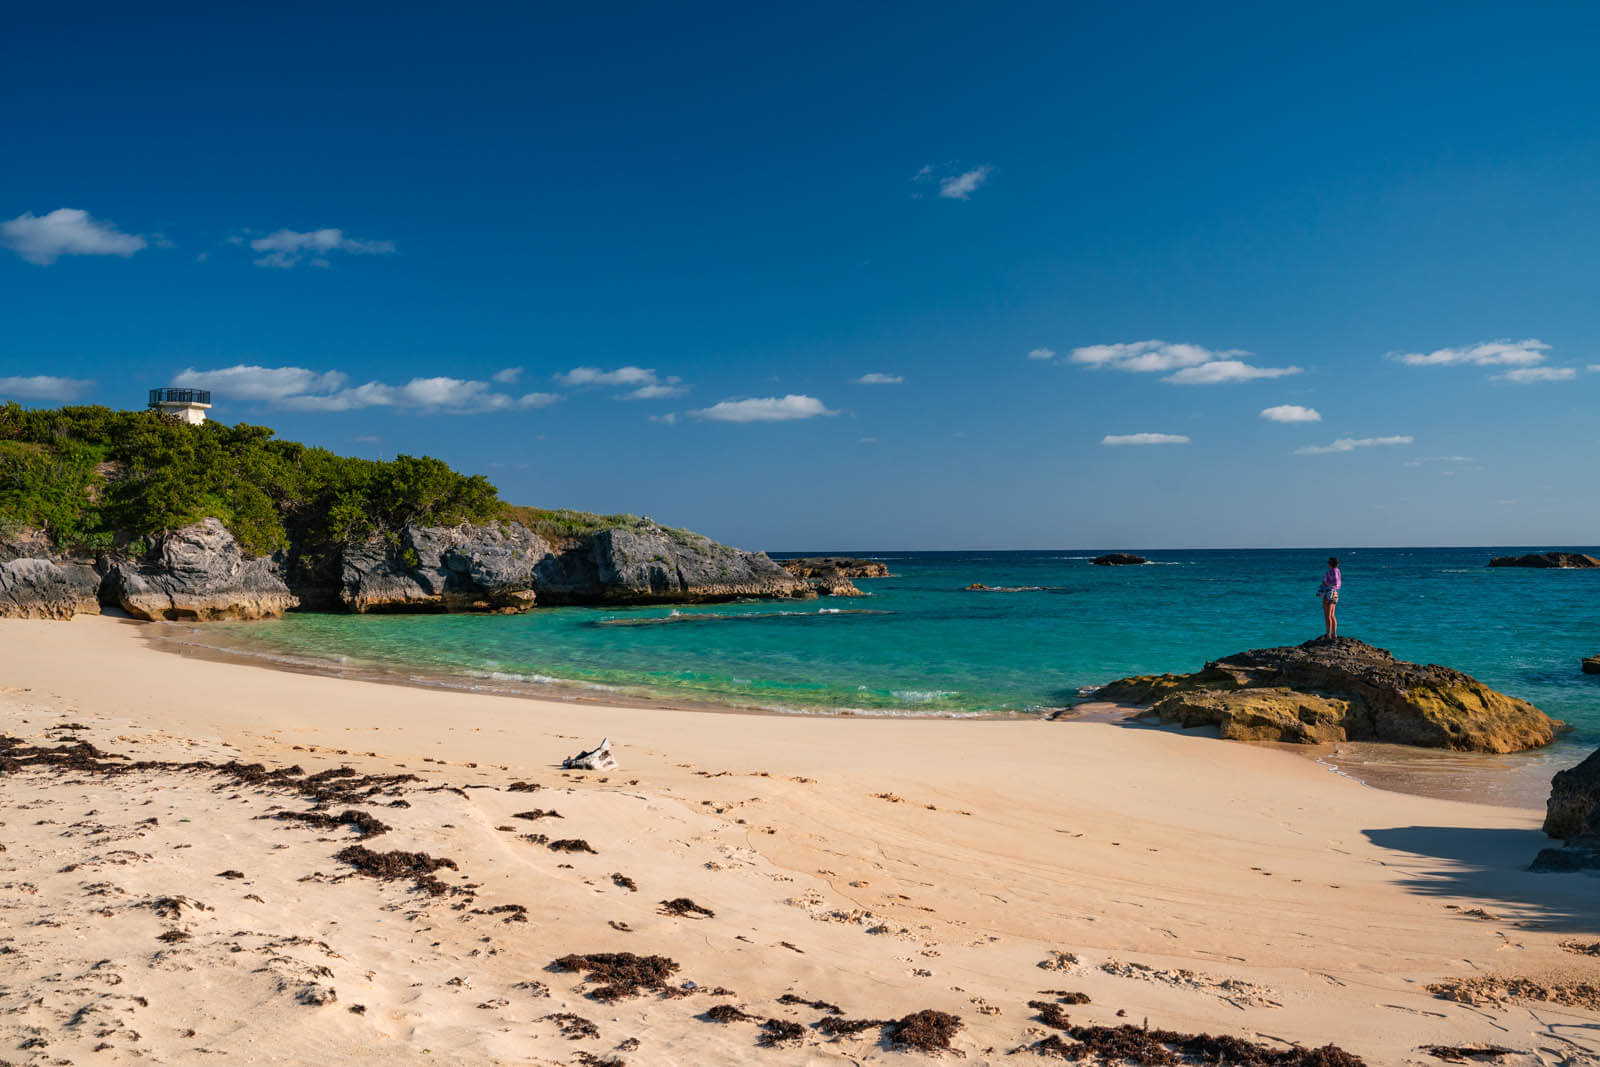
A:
[789,275]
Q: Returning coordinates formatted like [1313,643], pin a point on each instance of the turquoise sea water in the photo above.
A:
[920,644]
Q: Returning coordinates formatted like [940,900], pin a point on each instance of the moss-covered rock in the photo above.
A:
[1340,689]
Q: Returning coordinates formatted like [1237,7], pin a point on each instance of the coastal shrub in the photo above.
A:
[93,477]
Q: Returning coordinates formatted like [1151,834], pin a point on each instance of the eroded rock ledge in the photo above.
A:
[1339,690]
[1572,816]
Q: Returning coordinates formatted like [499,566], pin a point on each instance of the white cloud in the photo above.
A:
[1145,356]
[669,418]
[507,376]
[879,379]
[1527,375]
[44,387]
[620,376]
[1221,371]
[1144,439]
[656,392]
[1594,367]
[867,441]
[1042,353]
[1487,353]
[961,186]
[286,247]
[765,409]
[299,389]
[1420,460]
[1291,413]
[66,231]
[1350,444]
[249,382]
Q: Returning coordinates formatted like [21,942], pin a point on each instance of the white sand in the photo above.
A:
[910,863]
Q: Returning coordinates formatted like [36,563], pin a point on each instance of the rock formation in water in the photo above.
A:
[834,567]
[1118,559]
[198,573]
[1572,816]
[1560,560]
[831,575]
[1591,665]
[651,564]
[1336,690]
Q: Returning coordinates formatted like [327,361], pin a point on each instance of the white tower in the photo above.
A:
[187,404]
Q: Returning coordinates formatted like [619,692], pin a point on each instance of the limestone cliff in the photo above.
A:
[34,588]
[198,573]
[650,564]
[444,568]
[1336,690]
[1573,816]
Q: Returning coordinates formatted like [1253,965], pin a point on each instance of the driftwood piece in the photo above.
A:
[598,758]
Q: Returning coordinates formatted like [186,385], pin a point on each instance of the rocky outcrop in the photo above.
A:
[1591,665]
[1572,815]
[1335,690]
[35,588]
[198,573]
[444,568]
[834,567]
[650,564]
[1563,560]
[1118,559]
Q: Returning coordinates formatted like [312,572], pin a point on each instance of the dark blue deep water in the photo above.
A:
[920,644]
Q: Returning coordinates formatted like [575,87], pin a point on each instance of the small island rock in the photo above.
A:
[1118,559]
[1591,665]
[1558,560]
[834,567]
[1336,690]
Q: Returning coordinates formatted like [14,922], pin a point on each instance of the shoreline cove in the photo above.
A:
[890,866]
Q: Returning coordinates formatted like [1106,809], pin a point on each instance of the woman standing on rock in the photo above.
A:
[1328,592]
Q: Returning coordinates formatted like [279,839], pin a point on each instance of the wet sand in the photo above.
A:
[1030,880]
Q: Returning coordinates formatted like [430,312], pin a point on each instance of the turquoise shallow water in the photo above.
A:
[920,644]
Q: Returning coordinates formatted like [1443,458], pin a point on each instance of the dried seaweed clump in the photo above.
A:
[360,821]
[537,813]
[622,881]
[924,1031]
[820,1005]
[726,1013]
[1165,1048]
[1582,948]
[683,906]
[1467,1053]
[572,844]
[1051,1014]
[622,974]
[776,1032]
[524,787]
[573,1027]
[836,1025]
[417,866]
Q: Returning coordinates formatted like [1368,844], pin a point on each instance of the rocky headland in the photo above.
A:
[200,573]
[1572,816]
[831,575]
[1557,560]
[1118,559]
[1338,689]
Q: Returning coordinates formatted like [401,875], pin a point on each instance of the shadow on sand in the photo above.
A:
[1490,868]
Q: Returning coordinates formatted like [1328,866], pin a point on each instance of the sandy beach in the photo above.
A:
[1023,876]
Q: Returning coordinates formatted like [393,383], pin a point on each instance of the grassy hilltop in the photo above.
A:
[99,480]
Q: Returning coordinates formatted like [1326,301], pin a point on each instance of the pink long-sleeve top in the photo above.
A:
[1333,578]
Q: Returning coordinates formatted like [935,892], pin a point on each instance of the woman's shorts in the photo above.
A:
[1331,596]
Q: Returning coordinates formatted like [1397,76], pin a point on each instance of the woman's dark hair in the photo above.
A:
[1333,561]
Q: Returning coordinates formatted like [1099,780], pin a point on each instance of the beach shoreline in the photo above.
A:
[885,865]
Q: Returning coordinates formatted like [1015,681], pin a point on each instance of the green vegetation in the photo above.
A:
[562,525]
[94,479]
